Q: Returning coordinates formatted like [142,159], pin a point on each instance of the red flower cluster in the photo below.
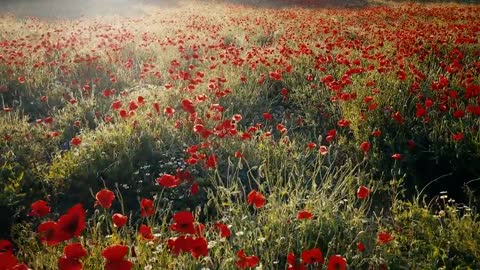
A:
[146,232]
[39,208]
[191,239]
[315,257]
[245,261]
[8,261]
[115,258]
[71,257]
[68,226]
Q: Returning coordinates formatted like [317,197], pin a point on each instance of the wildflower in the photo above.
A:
[70,224]
[256,198]
[146,208]
[104,198]
[199,247]
[360,247]
[457,137]
[292,263]
[183,222]
[323,150]
[39,208]
[71,257]
[114,256]
[312,256]
[337,262]
[169,181]
[397,156]
[363,192]
[304,215]
[365,147]
[146,232]
[224,230]
[267,116]
[76,141]
[245,261]
[384,237]
[46,231]
[119,220]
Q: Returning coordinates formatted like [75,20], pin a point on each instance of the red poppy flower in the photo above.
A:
[115,252]
[195,188]
[376,133]
[74,251]
[397,156]
[169,111]
[146,232]
[331,135]
[71,224]
[398,117]
[199,247]
[237,117]
[224,230]
[146,208]
[76,141]
[458,114]
[304,215]
[119,265]
[183,222]
[363,192]
[179,244]
[360,247]
[421,112]
[401,75]
[211,161]
[21,79]
[46,231]
[187,105]
[457,137]
[119,220]
[115,258]
[245,261]
[312,256]
[9,261]
[384,237]
[256,198]
[311,145]
[6,246]
[132,106]
[293,264]
[337,262]
[156,106]
[267,116]
[365,147]
[65,263]
[169,181]
[343,123]
[40,208]
[116,105]
[105,198]
[323,150]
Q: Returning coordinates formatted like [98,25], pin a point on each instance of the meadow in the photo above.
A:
[218,135]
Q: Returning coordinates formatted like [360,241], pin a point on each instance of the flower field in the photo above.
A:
[209,135]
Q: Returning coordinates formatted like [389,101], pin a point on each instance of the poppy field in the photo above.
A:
[218,135]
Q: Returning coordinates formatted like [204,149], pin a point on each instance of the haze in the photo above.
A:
[52,9]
